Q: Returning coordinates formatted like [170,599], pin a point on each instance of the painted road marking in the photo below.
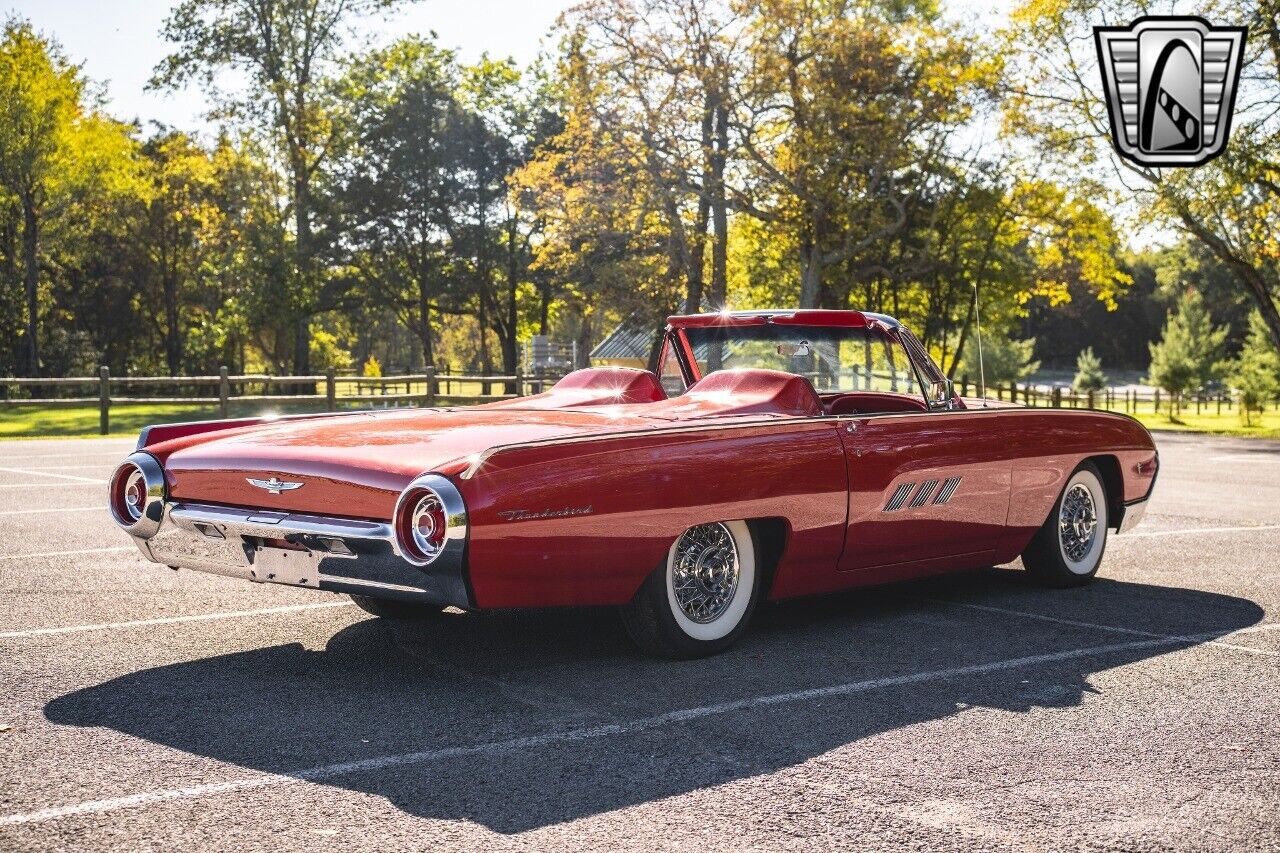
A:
[987,608]
[686,715]
[67,553]
[99,508]
[170,620]
[89,454]
[48,474]
[48,485]
[44,469]
[1185,530]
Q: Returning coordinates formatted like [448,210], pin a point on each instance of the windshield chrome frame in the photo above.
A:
[922,365]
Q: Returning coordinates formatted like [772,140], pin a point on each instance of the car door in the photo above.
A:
[928,486]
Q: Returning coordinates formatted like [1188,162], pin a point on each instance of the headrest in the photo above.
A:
[594,386]
[743,392]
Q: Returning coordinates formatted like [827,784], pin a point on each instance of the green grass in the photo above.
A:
[36,421]
[1227,423]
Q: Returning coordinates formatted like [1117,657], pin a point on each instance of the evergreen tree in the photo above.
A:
[1089,375]
[1255,375]
[1188,354]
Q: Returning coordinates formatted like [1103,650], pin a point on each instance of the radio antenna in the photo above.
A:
[982,371]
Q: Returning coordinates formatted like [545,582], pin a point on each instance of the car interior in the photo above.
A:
[742,391]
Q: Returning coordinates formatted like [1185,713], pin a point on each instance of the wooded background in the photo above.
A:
[388,202]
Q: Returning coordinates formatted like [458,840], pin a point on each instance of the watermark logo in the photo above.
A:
[1170,88]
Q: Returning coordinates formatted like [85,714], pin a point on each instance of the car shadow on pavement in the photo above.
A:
[577,723]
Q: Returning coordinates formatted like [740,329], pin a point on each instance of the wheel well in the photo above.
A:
[771,534]
[1113,482]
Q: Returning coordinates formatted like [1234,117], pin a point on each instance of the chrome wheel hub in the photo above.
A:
[705,572]
[1077,522]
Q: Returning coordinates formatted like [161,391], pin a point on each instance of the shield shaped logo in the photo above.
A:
[1170,85]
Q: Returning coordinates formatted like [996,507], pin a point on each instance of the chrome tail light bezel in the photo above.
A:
[145,521]
[455,521]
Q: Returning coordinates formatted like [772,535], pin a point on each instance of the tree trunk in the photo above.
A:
[811,276]
[719,209]
[304,266]
[424,325]
[172,341]
[30,259]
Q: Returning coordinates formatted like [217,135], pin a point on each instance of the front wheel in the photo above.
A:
[700,600]
[1068,549]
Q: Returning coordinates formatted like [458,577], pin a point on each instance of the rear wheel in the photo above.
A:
[393,609]
[1068,549]
[700,600]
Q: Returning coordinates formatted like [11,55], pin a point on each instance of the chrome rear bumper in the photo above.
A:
[319,552]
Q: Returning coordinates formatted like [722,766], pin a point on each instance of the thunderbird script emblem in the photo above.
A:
[275,485]
[1170,87]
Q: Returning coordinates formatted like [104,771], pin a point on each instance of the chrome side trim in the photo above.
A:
[899,497]
[925,492]
[948,489]
[153,511]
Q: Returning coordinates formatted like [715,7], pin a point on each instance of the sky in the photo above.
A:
[118,41]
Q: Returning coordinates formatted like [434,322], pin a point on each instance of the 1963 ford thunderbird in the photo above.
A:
[774,454]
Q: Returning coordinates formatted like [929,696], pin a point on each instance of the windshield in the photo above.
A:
[834,358]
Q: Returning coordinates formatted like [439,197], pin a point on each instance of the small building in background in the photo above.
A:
[627,345]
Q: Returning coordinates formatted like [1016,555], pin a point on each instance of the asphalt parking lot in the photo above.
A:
[143,708]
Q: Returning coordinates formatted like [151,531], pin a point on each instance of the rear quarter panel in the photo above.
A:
[1049,444]
[625,499]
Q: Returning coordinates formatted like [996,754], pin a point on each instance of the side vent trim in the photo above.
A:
[899,497]
[925,492]
[948,489]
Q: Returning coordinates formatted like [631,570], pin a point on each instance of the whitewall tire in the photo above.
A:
[699,601]
[1068,549]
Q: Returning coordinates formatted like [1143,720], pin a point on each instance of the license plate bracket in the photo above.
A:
[285,566]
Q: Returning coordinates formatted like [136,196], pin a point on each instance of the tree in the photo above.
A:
[844,111]
[1231,206]
[1004,360]
[1255,374]
[1089,376]
[1189,351]
[286,49]
[39,102]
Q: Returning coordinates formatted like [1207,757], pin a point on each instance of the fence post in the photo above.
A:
[1090,398]
[1057,396]
[224,392]
[330,390]
[104,400]
[431,385]
[519,380]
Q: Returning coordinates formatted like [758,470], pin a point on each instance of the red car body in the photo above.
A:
[573,497]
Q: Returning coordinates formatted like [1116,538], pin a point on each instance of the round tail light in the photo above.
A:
[429,519]
[137,495]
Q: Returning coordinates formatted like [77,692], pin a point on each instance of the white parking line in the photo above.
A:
[67,553]
[43,469]
[49,474]
[686,715]
[1245,528]
[1026,614]
[99,508]
[48,485]
[89,454]
[170,620]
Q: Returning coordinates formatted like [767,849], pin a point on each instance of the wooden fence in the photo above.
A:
[327,390]
[429,388]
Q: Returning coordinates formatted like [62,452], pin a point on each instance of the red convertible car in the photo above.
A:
[775,454]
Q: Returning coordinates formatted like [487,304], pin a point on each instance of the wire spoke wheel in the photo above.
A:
[705,572]
[1077,522]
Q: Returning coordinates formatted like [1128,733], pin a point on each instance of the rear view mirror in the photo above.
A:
[941,394]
